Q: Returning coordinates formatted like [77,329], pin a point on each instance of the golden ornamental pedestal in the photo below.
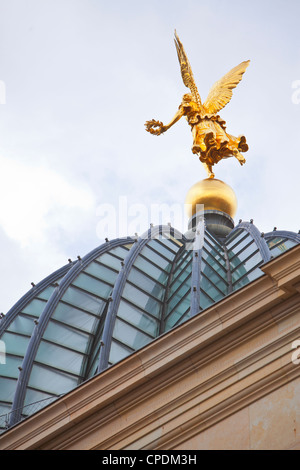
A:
[215,201]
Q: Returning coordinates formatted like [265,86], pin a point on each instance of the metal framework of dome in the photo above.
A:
[97,310]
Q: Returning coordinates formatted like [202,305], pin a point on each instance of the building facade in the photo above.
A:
[156,330]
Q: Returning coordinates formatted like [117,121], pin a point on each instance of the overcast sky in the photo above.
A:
[78,80]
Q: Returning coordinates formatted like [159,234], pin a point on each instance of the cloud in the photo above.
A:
[33,198]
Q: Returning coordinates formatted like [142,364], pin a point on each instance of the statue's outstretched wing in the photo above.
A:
[221,92]
[186,70]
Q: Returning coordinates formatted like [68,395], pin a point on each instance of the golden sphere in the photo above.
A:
[214,194]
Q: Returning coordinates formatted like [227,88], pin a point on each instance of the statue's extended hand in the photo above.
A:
[150,125]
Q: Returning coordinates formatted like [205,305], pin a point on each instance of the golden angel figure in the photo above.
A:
[210,140]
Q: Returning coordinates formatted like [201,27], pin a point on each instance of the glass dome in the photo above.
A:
[99,309]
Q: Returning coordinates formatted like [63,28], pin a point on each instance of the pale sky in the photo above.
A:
[78,80]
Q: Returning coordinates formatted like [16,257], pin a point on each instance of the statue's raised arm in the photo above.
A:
[211,142]
[157,127]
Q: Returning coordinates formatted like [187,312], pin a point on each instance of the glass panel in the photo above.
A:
[212,239]
[110,261]
[156,258]
[118,352]
[74,317]
[129,335]
[46,293]
[273,241]
[250,277]
[4,410]
[138,318]
[7,389]
[58,357]
[10,368]
[92,285]
[185,317]
[128,246]
[66,336]
[181,263]
[178,296]
[35,401]
[212,261]
[93,367]
[215,252]
[172,244]
[35,307]
[236,249]
[281,247]
[160,247]
[145,283]
[233,239]
[242,255]
[55,382]
[180,274]
[180,310]
[101,272]
[184,278]
[181,285]
[120,251]
[33,396]
[214,278]
[22,324]
[15,344]
[210,290]
[141,300]
[154,271]
[246,266]
[83,300]
[205,301]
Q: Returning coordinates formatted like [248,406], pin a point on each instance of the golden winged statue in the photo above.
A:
[210,140]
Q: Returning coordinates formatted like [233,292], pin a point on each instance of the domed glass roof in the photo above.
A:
[97,310]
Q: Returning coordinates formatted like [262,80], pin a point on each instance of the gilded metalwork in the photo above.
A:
[214,194]
[211,142]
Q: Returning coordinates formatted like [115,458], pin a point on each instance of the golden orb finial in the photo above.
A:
[214,194]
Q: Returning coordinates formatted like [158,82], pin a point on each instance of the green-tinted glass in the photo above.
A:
[147,284]
[52,381]
[74,317]
[58,357]
[156,258]
[15,344]
[67,336]
[92,285]
[22,324]
[35,307]
[129,335]
[83,300]
[118,352]
[138,318]
[142,300]
[101,272]
[154,271]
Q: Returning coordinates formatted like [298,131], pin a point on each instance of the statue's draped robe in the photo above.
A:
[210,139]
